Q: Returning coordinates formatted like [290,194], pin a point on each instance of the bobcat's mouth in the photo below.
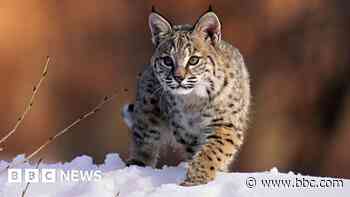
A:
[182,90]
[179,88]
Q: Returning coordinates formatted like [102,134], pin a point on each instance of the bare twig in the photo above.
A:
[29,105]
[63,131]
[27,186]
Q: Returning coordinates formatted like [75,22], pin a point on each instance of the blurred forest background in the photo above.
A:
[297,53]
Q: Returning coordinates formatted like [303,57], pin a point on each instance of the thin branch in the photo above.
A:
[27,186]
[63,131]
[29,105]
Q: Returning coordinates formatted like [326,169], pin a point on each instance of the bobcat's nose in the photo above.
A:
[180,74]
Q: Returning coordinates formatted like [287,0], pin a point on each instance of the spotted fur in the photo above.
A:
[195,88]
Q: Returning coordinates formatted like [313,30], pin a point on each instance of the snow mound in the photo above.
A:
[115,179]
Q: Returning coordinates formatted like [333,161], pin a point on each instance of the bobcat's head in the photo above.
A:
[185,55]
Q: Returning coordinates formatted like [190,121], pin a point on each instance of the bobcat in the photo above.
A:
[195,88]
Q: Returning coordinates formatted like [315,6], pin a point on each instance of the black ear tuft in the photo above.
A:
[153,9]
[210,9]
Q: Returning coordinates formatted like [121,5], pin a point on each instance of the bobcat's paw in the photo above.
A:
[135,162]
[198,174]
[188,183]
[198,178]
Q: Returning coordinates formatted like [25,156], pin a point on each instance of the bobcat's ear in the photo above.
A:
[208,27]
[159,27]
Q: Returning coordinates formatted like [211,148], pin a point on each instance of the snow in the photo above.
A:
[118,180]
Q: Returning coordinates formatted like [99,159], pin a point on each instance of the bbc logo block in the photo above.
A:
[48,175]
[31,175]
[14,176]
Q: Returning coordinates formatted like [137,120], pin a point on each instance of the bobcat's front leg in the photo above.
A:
[145,147]
[145,119]
[146,135]
[215,155]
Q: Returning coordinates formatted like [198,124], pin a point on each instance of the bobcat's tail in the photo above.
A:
[127,114]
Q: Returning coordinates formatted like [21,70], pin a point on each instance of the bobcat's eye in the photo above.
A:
[193,60]
[168,61]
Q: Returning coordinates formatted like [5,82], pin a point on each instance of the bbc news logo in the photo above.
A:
[52,175]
